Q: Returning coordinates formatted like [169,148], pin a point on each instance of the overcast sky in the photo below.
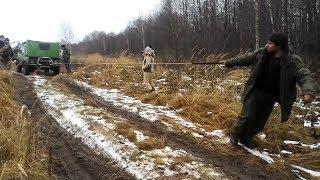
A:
[41,19]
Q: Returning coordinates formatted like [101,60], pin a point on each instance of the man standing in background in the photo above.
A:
[65,53]
[148,68]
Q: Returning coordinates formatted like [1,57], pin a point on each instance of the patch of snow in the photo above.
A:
[312,146]
[263,155]
[291,142]
[311,172]
[140,136]
[284,152]
[262,136]
[216,133]
[197,135]
[316,124]
[161,80]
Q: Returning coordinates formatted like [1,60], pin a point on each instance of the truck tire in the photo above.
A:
[19,69]
[56,70]
[25,69]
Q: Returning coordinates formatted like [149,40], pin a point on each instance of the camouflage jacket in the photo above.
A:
[147,64]
[66,54]
[292,72]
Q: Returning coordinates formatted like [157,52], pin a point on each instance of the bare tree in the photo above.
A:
[66,34]
[140,26]
[256,7]
[271,14]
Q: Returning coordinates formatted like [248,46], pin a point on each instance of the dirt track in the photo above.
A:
[232,165]
[71,159]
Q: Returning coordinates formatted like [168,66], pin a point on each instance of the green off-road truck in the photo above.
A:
[36,55]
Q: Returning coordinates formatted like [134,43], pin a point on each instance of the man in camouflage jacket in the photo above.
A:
[273,78]
[65,53]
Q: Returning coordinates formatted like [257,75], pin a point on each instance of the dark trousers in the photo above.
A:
[66,62]
[256,110]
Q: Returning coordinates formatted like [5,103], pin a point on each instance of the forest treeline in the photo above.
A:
[178,28]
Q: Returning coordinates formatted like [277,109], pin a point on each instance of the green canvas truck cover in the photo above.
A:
[42,49]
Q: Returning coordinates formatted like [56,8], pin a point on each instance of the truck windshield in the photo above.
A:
[44,46]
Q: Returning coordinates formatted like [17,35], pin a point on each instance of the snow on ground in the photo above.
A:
[285,152]
[98,133]
[140,136]
[216,133]
[147,111]
[311,172]
[155,113]
[312,146]
[264,155]
[311,114]
[316,123]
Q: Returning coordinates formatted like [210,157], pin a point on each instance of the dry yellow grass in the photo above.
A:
[148,144]
[126,130]
[197,91]
[151,143]
[20,156]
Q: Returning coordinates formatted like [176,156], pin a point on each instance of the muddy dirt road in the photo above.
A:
[96,134]
[69,157]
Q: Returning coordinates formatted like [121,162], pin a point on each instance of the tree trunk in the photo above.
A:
[128,44]
[143,38]
[256,5]
[271,15]
[104,43]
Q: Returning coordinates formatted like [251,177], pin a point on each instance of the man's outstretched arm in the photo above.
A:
[242,60]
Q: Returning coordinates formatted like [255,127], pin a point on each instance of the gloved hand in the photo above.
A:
[307,98]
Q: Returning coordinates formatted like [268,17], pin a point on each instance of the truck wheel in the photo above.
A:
[56,70]
[25,69]
[46,72]
[19,69]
